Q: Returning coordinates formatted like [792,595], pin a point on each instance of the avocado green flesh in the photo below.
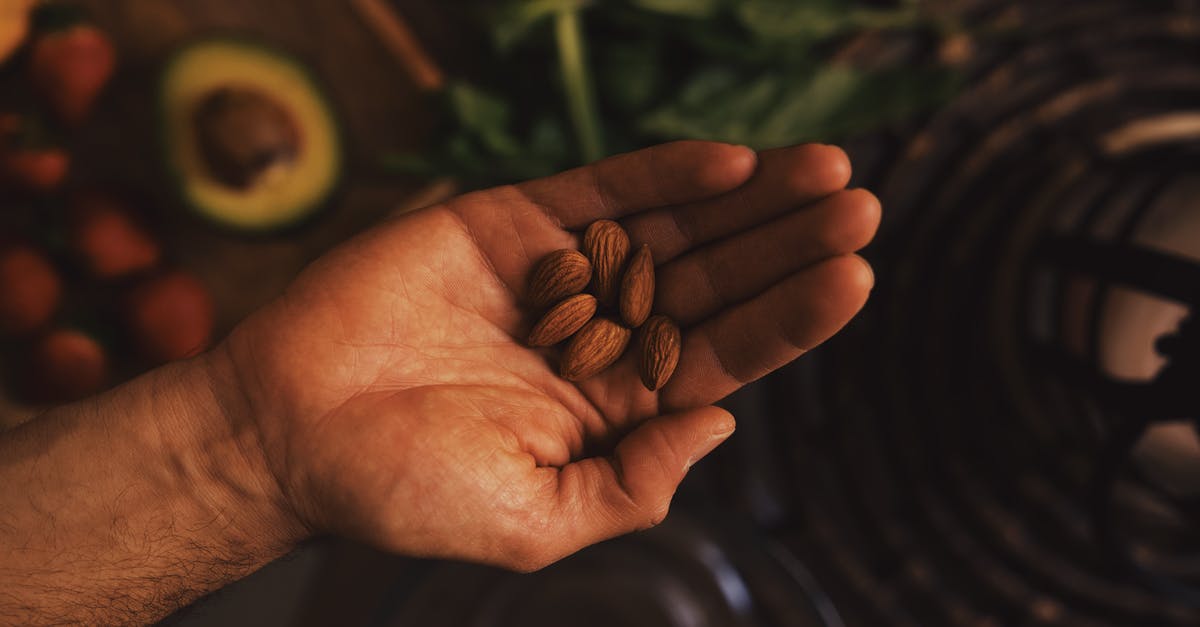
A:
[281,197]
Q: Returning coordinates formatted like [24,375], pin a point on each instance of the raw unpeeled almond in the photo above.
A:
[658,344]
[563,320]
[600,325]
[637,288]
[607,245]
[560,274]
[595,347]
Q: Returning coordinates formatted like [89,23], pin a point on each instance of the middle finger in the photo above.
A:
[705,281]
[786,178]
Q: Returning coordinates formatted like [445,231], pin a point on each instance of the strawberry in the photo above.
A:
[25,159]
[39,170]
[65,365]
[70,61]
[107,239]
[170,316]
[30,290]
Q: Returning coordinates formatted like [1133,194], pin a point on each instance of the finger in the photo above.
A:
[602,497]
[667,174]
[786,178]
[752,339]
[705,281]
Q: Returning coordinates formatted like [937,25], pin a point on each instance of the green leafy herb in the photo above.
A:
[514,20]
[635,72]
[483,115]
[683,8]
[815,20]
[577,83]
[776,109]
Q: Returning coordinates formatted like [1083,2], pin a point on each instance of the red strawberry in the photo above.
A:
[70,64]
[25,160]
[107,239]
[65,365]
[39,170]
[30,290]
[171,316]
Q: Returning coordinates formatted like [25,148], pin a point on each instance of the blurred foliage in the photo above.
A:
[754,72]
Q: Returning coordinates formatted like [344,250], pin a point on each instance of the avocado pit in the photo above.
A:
[244,136]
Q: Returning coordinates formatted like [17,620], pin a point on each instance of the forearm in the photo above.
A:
[122,508]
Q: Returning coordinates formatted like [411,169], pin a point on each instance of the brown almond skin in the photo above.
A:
[637,288]
[607,245]
[562,320]
[562,273]
[595,347]
[658,351]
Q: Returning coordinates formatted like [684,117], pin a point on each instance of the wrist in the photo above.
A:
[214,451]
[136,501]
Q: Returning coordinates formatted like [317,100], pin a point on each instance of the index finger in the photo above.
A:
[667,174]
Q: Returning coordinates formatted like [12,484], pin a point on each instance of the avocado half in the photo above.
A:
[249,137]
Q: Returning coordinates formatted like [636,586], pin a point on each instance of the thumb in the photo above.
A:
[604,497]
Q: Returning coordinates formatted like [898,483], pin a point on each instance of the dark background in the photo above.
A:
[1005,436]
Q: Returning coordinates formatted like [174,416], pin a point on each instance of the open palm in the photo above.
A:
[394,400]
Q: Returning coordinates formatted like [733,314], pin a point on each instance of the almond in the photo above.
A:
[659,345]
[637,288]
[562,320]
[607,245]
[560,274]
[597,345]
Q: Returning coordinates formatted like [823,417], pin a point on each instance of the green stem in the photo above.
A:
[577,82]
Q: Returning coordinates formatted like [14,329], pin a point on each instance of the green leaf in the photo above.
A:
[888,96]
[485,115]
[816,20]
[714,105]
[630,75]
[744,71]
[548,139]
[682,8]
[514,20]
[776,19]
[707,84]
[805,108]
[776,108]
[576,75]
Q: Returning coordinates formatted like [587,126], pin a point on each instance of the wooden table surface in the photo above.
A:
[380,108]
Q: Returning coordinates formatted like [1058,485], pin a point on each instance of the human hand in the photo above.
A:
[390,396]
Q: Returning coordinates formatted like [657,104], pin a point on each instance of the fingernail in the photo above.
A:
[708,446]
[870,270]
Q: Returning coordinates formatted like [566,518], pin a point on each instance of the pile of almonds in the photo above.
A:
[600,324]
